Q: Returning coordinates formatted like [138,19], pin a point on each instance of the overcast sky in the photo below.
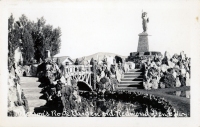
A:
[90,27]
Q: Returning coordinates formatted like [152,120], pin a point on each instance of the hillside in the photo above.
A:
[100,55]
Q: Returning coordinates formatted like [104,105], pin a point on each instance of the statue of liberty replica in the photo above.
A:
[143,45]
[145,20]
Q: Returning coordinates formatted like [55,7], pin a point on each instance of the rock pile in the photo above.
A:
[59,93]
[167,72]
[17,103]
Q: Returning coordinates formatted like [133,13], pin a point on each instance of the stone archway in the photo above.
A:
[82,85]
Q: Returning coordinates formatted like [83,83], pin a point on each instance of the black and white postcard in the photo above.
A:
[135,63]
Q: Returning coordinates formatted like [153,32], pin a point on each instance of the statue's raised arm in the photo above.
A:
[145,20]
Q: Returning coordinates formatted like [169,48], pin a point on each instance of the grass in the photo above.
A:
[182,104]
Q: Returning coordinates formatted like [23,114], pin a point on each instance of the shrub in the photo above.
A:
[169,80]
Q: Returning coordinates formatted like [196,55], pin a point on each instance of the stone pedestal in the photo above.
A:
[143,45]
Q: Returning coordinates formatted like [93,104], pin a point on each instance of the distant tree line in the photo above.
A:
[34,38]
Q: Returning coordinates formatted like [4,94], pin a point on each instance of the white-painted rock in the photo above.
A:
[167,55]
[178,83]
[164,67]
[182,54]
[162,85]
[154,84]
[19,111]
[171,64]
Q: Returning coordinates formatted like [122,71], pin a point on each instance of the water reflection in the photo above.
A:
[118,104]
[185,94]
[111,107]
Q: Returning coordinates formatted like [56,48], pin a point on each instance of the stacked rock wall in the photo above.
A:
[17,103]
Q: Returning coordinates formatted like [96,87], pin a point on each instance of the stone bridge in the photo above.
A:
[81,73]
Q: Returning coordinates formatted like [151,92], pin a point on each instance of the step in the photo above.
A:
[132,79]
[131,82]
[31,109]
[133,76]
[135,70]
[30,87]
[133,73]
[36,103]
[35,96]
[128,88]
[129,85]
[122,88]
[32,90]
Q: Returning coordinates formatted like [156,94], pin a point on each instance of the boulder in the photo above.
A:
[147,85]
[162,85]
[143,61]
[187,79]
[182,54]
[19,111]
[178,83]
[176,67]
[171,64]
[182,80]
[119,75]
[98,78]
[153,64]
[178,93]
[164,68]
[175,55]
[154,84]
[183,71]
[158,63]
[19,91]
[114,83]
[167,55]
[108,86]
[62,80]
[104,80]
[132,65]
[158,78]
[187,75]
[187,93]
[102,74]
[75,97]
[174,74]
[100,86]
[169,81]
[109,61]
[126,67]
[174,60]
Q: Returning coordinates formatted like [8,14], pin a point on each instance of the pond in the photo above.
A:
[117,104]
[99,107]
[185,94]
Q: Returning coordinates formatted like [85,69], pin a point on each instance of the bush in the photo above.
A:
[169,80]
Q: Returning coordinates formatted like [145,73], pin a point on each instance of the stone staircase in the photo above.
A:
[33,95]
[133,79]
